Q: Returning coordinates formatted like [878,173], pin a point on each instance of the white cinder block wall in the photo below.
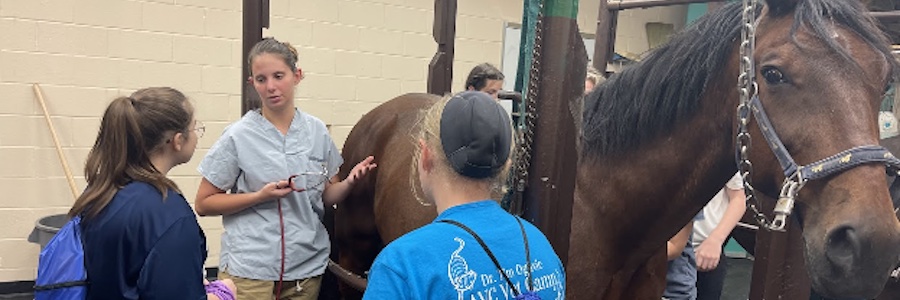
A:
[83,53]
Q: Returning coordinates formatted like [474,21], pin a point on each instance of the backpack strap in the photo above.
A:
[527,254]
[60,285]
[494,258]
[80,230]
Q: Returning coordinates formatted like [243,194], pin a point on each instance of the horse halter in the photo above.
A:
[795,175]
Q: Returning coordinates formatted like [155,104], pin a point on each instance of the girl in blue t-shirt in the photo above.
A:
[474,249]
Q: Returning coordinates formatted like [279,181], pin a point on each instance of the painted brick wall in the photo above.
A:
[83,53]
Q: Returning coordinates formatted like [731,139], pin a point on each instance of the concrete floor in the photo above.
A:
[737,282]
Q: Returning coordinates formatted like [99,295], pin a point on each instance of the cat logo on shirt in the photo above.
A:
[462,278]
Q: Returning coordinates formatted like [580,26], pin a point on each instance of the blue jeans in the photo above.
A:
[710,283]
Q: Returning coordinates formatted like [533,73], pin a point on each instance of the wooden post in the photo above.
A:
[440,69]
[779,269]
[255,18]
[605,40]
[653,3]
[551,184]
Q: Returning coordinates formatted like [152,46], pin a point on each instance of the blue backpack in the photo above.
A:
[61,273]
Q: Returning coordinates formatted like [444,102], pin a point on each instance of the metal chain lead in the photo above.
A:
[530,113]
[747,89]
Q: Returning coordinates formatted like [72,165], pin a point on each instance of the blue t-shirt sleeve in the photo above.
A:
[174,267]
[386,283]
[220,165]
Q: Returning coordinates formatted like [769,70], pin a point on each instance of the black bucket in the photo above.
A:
[45,228]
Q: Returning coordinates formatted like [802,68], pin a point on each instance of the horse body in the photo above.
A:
[382,206]
[641,179]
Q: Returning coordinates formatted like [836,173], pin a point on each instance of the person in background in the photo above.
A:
[485,78]
[474,248]
[681,277]
[274,243]
[592,79]
[141,238]
[720,216]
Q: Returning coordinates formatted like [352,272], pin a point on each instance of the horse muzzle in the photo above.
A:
[853,261]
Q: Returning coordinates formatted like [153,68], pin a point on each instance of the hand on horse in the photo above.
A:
[708,254]
[360,170]
[274,190]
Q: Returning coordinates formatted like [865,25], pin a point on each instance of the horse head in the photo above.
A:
[822,67]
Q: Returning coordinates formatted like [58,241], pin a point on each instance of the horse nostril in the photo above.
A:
[843,247]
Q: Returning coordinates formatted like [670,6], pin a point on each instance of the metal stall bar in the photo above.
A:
[608,15]
[886,15]
[653,3]
[606,25]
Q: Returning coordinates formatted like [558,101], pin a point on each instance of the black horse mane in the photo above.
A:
[645,100]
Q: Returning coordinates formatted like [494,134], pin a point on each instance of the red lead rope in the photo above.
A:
[280,275]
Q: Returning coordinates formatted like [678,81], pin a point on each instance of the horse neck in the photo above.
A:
[639,199]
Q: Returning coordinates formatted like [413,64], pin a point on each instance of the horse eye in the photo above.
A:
[773,75]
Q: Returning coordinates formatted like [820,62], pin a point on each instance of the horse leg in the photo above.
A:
[330,288]
[357,258]
[647,282]
[358,243]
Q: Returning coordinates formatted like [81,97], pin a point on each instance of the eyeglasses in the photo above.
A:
[200,128]
[308,180]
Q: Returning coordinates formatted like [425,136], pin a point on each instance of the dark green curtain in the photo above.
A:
[529,20]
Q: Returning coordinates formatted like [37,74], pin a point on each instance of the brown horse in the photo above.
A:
[383,206]
[659,141]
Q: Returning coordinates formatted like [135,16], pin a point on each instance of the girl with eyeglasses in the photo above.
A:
[141,239]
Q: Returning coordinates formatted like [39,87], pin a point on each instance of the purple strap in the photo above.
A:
[220,290]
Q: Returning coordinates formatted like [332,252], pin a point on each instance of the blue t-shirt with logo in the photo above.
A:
[443,261]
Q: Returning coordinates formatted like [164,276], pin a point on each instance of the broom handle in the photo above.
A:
[59,152]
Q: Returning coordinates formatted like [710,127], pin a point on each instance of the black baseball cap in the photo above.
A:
[476,134]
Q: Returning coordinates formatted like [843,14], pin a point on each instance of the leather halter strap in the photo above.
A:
[828,166]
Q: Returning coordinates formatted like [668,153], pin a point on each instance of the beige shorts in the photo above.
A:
[304,289]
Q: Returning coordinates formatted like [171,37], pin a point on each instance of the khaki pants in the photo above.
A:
[251,289]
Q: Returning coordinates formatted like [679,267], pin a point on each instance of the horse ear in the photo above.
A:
[778,7]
